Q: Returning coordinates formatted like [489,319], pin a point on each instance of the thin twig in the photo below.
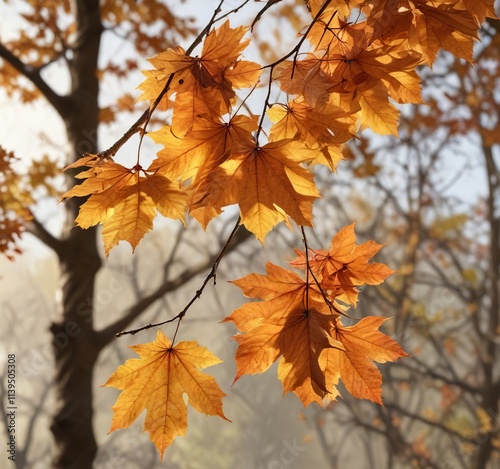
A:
[272,66]
[211,275]
[230,12]
[268,5]
[327,300]
[146,115]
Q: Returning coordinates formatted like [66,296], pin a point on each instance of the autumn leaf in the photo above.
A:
[205,147]
[267,182]
[203,85]
[11,229]
[123,200]
[362,344]
[480,9]
[157,382]
[40,175]
[342,7]
[283,326]
[324,130]
[377,112]
[430,26]
[281,289]
[376,72]
[357,63]
[15,198]
[345,266]
[307,78]
[298,338]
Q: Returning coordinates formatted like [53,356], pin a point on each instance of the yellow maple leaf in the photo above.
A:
[157,382]
[206,146]
[123,199]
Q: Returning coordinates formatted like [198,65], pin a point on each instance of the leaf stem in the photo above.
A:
[309,270]
[304,240]
[272,66]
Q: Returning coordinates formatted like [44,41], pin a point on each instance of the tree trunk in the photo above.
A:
[73,335]
[76,352]
[491,385]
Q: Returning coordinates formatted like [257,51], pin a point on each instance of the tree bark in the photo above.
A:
[73,335]
[491,386]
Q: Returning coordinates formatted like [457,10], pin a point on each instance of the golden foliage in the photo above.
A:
[157,382]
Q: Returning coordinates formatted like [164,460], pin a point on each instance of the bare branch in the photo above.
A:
[106,335]
[37,229]
[429,371]
[33,74]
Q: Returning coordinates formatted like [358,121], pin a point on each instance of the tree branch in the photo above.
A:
[429,422]
[428,371]
[33,74]
[36,228]
[106,335]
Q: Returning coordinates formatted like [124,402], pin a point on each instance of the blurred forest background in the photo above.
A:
[433,196]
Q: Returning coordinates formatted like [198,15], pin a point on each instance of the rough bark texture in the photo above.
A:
[74,338]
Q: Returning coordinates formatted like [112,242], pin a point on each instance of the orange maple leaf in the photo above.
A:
[10,233]
[157,382]
[15,198]
[123,200]
[340,7]
[480,9]
[281,289]
[324,130]
[283,326]
[362,344]
[345,266]
[205,84]
[295,325]
[430,26]
[376,71]
[307,78]
[267,182]
[357,63]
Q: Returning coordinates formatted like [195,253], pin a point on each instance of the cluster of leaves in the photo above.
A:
[53,33]
[299,321]
[12,211]
[16,194]
[215,155]
[362,59]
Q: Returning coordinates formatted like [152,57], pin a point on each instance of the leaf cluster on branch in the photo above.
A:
[354,61]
